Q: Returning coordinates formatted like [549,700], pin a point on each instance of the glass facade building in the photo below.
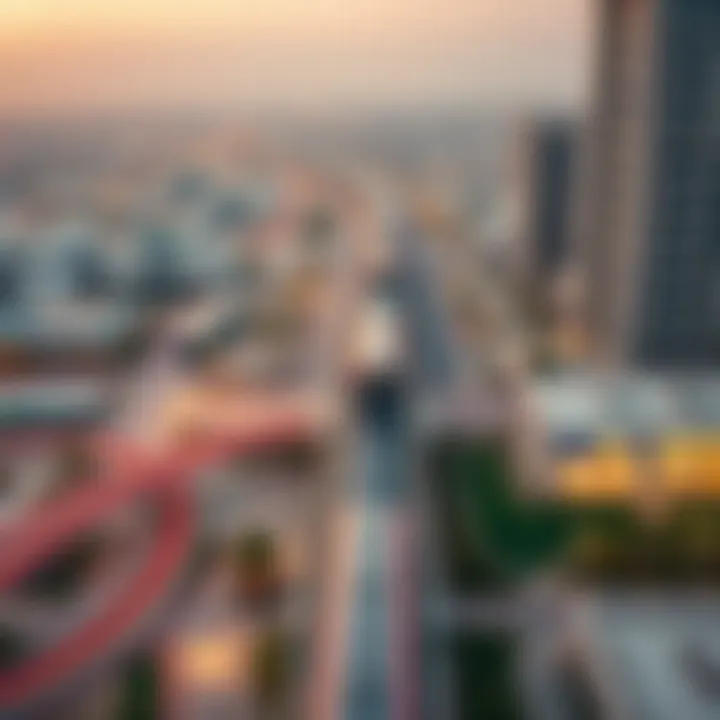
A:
[651,238]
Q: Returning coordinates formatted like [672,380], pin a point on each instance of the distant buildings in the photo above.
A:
[13,272]
[650,234]
[68,404]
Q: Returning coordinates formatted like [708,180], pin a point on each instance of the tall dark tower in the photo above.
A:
[547,157]
[650,233]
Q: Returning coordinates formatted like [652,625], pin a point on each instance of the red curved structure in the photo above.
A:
[164,481]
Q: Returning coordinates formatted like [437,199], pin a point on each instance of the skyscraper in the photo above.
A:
[547,154]
[650,231]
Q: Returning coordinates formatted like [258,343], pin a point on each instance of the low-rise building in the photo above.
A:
[593,437]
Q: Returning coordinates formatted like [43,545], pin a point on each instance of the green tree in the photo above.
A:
[270,673]
[257,567]
[140,693]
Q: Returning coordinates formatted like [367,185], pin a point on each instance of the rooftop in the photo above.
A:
[67,325]
[24,404]
[610,437]
[659,659]
[626,405]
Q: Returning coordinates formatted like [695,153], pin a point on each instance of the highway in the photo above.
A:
[382,440]
[384,668]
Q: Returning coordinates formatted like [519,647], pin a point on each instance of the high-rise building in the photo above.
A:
[546,155]
[650,231]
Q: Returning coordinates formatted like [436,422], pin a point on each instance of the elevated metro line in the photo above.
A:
[163,480]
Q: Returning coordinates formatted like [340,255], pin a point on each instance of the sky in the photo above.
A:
[65,56]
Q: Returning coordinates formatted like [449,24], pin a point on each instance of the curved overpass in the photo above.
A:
[165,482]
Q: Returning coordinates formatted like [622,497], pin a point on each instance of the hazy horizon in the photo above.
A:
[311,58]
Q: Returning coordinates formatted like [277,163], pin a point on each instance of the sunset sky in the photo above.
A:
[79,55]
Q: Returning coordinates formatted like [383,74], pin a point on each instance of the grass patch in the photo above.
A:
[492,536]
